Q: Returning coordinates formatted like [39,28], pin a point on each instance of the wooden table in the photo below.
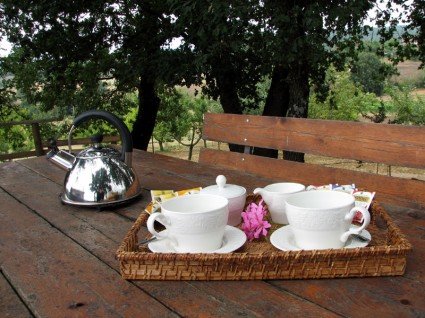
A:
[58,260]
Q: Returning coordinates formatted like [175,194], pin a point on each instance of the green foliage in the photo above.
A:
[7,98]
[169,109]
[371,73]
[190,121]
[180,114]
[257,106]
[128,115]
[180,117]
[14,138]
[19,137]
[188,126]
[385,49]
[408,108]
[345,100]
[130,118]
[83,56]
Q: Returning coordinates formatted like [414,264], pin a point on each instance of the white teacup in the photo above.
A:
[321,219]
[275,196]
[195,223]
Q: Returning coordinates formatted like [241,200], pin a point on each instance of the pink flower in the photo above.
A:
[254,224]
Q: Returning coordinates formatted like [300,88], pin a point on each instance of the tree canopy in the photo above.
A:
[74,55]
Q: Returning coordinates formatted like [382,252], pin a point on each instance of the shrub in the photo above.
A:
[408,108]
[345,100]
[371,73]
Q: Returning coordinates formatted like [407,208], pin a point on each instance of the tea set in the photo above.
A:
[206,222]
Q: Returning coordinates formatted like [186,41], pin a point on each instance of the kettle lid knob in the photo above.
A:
[96,139]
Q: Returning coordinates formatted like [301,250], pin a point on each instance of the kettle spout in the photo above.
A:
[63,159]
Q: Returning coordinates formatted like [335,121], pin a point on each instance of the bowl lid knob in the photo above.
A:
[221,182]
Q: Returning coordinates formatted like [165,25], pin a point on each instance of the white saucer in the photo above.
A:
[233,239]
[284,240]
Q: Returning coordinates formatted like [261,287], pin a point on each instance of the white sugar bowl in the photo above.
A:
[234,193]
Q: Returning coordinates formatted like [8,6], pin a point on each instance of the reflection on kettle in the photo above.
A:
[98,175]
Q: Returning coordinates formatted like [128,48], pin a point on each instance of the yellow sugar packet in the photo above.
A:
[165,197]
[152,207]
[156,193]
[168,196]
[159,196]
[189,191]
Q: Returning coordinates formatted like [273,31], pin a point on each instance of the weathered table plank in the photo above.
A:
[412,224]
[56,277]
[10,304]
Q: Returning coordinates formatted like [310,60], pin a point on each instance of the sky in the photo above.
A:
[5,47]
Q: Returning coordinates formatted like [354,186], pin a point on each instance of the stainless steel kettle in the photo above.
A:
[97,176]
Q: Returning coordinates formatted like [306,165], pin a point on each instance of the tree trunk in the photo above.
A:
[190,152]
[191,145]
[161,145]
[288,96]
[277,103]
[146,115]
[298,101]
[153,146]
[229,99]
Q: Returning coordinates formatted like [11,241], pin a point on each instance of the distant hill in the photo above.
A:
[374,36]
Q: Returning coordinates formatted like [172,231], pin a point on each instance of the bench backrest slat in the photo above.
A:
[381,143]
[404,192]
[390,144]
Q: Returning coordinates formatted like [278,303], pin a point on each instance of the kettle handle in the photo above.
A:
[127,142]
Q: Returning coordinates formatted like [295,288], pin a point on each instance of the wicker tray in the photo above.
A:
[384,256]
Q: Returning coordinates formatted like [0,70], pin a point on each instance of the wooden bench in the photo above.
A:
[396,145]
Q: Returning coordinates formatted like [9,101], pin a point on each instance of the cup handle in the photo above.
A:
[258,190]
[349,217]
[161,218]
